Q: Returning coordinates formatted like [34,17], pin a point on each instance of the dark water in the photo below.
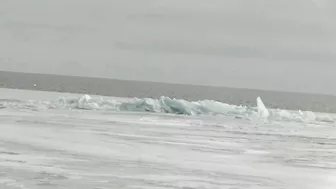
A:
[122,88]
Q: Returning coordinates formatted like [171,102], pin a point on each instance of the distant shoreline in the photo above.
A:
[142,89]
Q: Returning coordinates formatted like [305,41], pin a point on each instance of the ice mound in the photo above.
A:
[173,106]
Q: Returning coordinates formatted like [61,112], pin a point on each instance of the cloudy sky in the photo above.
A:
[286,45]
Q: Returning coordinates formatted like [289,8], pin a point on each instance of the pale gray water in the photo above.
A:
[120,88]
[85,149]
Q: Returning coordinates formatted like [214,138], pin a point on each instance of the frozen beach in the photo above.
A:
[167,94]
[47,146]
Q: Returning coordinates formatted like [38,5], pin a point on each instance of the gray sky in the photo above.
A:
[284,45]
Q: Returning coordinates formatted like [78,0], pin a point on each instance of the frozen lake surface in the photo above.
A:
[43,146]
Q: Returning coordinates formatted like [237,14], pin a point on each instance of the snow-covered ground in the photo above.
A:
[84,143]
[76,148]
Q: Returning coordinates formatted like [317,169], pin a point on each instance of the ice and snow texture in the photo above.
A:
[85,149]
[171,106]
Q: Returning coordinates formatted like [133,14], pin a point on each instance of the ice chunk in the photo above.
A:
[262,110]
[84,99]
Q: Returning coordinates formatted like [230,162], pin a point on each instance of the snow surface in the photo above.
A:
[86,149]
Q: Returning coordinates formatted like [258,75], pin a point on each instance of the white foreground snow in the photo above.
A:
[80,149]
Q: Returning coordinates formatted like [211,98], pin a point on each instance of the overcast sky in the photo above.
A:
[286,45]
